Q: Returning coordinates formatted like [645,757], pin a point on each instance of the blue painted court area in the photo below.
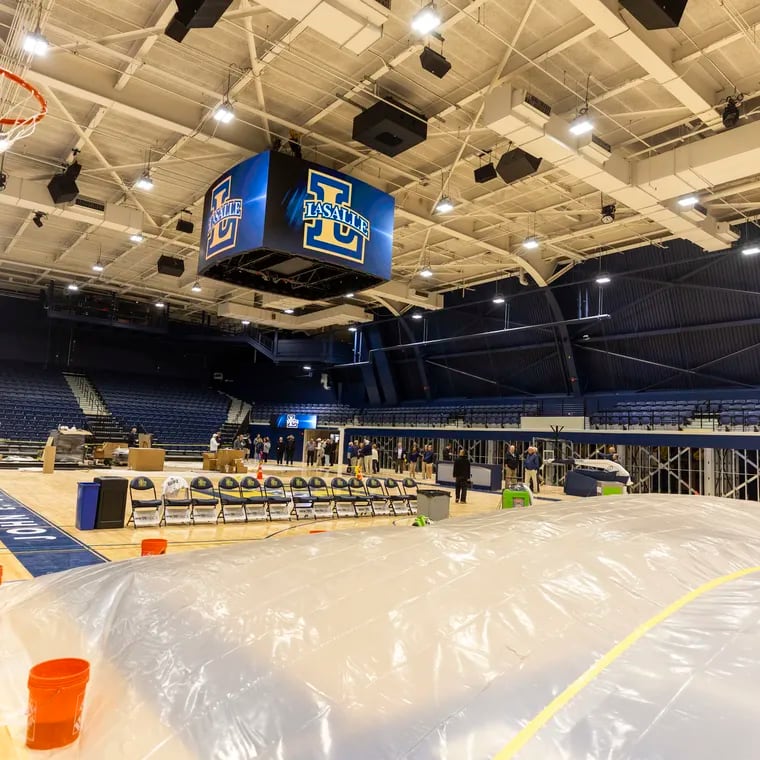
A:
[37,544]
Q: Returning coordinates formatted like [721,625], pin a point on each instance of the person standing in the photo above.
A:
[366,456]
[448,453]
[414,457]
[375,458]
[532,465]
[511,464]
[399,457]
[267,448]
[427,460]
[290,449]
[311,452]
[133,440]
[213,444]
[280,449]
[461,477]
[320,452]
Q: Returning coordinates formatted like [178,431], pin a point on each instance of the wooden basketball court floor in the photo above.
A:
[54,496]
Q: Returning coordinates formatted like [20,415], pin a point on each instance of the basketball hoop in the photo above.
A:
[22,107]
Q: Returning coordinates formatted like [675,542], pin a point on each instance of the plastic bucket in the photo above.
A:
[56,698]
[152,546]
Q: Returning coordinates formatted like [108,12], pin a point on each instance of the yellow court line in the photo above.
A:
[536,724]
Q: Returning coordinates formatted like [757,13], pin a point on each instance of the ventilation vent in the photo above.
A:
[91,204]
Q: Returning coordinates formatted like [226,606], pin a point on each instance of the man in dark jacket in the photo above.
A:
[133,440]
[511,463]
[532,466]
[448,453]
[290,449]
[280,449]
[461,476]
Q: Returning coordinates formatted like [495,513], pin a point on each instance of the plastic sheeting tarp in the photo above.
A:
[441,642]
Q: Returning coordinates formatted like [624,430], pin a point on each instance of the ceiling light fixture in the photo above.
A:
[531,243]
[581,124]
[72,286]
[444,206]
[5,143]
[97,266]
[307,368]
[196,287]
[416,315]
[37,218]
[688,201]
[426,271]
[145,182]
[289,311]
[160,304]
[35,43]
[603,279]
[608,213]
[349,295]
[352,328]
[498,298]
[245,322]
[427,20]
[224,112]
[136,238]
[751,250]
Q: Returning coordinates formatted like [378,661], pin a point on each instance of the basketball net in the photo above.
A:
[22,107]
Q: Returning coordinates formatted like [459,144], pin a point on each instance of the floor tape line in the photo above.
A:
[536,724]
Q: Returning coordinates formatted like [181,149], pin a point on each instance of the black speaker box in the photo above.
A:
[656,14]
[485,173]
[176,30]
[63,189]
[434,62]
[195,14]
[171,266]
[517,164]
[390,129]
[185,225]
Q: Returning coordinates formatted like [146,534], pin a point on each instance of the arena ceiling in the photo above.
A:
[122,93]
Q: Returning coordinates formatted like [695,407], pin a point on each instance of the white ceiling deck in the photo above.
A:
[119,90]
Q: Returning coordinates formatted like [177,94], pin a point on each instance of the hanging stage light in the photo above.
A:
[608,213]
[731,111]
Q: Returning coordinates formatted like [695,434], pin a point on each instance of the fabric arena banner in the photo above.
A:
[273,207]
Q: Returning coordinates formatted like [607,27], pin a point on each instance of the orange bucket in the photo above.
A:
[152,546]
[1,573]
[56,698]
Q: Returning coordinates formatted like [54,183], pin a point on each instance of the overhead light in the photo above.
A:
[498,298]
[35,43]
[289,311]
[97,266]
[349,295]
[688,200]
[5,143]
[416,315]
[145,182]
[307,368]
[581,124]
[426,271]
[751,250]
[160,304]
[444,205]
[245,322]
[223,113]
[731,112]
[37,218]
[352,328]
[608,213]
[136,238]
[72,286]
[603,279]
[531,243]
[196,287]
[427,20]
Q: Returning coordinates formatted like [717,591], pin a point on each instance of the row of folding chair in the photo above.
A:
[248,500]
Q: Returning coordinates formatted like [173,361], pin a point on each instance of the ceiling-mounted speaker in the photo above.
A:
[517,164]
[485,173]
[390,128]
[63,187]
[656,14]
[185,225]
[195,14]
[434,62]
[171,266]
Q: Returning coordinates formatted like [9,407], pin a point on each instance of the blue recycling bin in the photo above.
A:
[87,505]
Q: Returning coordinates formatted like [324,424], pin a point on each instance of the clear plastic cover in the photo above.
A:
[441,642]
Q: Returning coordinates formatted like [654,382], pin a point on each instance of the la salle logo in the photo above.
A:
[224,219]
[330,224]
[291,421]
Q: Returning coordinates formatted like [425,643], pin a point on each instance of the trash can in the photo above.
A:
[87,505]
[433,503]
[112,502]
[516,497]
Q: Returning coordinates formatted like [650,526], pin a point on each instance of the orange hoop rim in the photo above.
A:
[33,91]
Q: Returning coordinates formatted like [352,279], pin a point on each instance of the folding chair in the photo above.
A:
[343,498]
[303,504]
[145,512]
[278,502]
[397,499]
[321,498]
[177,501]
[204,501]
[410,491]
[363,505]
[255,500]
[233,504]
[378,499]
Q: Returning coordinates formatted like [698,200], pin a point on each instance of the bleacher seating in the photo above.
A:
[34,401]
[327,414]
[176,412]
[485,415]
[646,415]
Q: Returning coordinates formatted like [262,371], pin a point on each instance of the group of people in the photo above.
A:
[531,465]
[416,459]
[321,452]
[364,454]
